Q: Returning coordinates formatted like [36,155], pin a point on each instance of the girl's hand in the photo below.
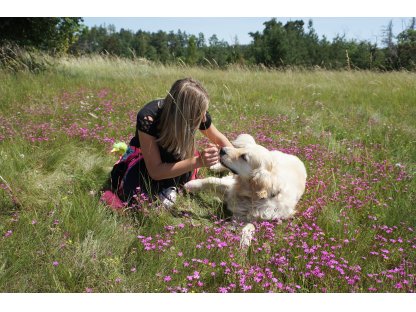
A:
[209,156]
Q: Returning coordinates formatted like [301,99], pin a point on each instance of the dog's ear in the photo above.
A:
[243,140]
[261,183]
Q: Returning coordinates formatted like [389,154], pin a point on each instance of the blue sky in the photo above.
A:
[227,28]
[357,19]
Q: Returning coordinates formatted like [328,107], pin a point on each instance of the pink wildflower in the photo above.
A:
[8,233]
[196,275]
[398,286]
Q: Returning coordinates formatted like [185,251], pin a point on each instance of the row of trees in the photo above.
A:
[278,45]
[159,46]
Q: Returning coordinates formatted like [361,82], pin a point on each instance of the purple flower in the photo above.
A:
[8,233]
[398,286]
[196,275]
[55,263]
[167,278]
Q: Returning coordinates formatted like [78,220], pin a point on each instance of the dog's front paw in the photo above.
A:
[218,168]
[193,186]
[246,236]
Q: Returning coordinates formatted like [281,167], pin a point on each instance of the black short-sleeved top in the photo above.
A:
[153,110]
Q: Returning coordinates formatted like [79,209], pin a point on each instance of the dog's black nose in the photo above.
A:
[222,152]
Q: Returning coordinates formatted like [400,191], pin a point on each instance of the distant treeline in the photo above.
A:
[278,45]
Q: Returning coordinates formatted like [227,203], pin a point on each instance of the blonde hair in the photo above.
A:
[183,111]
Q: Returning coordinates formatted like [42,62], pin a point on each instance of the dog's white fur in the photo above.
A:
[266,185]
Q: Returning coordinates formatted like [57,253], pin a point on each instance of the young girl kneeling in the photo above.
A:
[165,141]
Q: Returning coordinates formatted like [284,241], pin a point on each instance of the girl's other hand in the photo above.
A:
[209,156]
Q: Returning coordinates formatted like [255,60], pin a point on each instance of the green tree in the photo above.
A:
[159,41]
[140,43]
[281,45]
[360,54]
[112,45]
[192,53]
[296,49]
[378,58]
[324,58]
[406,48]
[126,37]
[314,52]
[390,46]
[53,34]
[236,54]
[217,51]
[176,49]
[338,52]
[271,46]
[93,39]
[200,41]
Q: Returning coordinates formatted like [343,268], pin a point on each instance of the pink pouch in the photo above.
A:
[112,200]
[194,175]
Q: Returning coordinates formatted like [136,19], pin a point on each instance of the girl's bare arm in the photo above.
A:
[159,170]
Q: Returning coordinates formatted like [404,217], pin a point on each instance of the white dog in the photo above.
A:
[266,185]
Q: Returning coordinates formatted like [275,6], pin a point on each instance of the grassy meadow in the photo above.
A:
[355,230]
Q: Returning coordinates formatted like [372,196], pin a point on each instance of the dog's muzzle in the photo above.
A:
[223,153]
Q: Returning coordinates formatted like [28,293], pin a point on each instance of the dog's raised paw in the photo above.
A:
[218,168]
[246,236]
[193,185]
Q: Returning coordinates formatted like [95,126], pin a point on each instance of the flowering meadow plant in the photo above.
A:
[355,229]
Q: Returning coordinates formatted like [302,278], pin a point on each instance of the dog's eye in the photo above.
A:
[244,157]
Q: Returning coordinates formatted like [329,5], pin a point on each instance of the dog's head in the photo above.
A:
[253,164]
